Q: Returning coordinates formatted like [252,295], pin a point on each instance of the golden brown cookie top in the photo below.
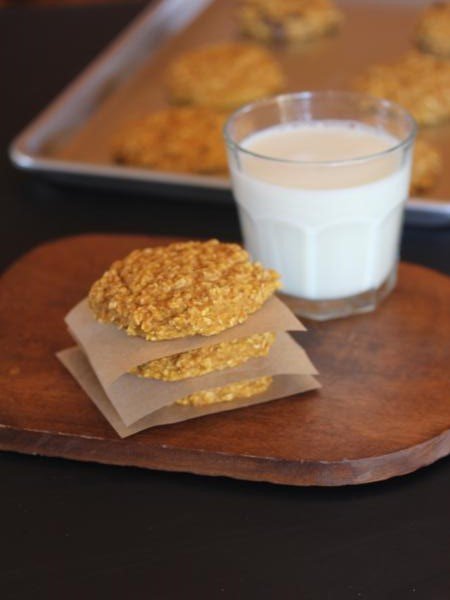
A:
[419,82]
[290,20]
[183,139]
[224,75]
[427,166]
[433,29]
[182,289]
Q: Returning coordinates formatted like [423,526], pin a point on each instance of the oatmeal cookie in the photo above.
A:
[433,29]
[207,358]
[182,289]
[288,20]
[184,139]
[419,82]
[224,76]
[233,391]
[427,166]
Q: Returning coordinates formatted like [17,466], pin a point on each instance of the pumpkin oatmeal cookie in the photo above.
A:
[184,139]
[182,289]
[419,82]
[233,391]
[427,166]
[207,358]
[224,76]
[288,20]
[433,29]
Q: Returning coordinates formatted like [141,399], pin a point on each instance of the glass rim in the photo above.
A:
[381,102]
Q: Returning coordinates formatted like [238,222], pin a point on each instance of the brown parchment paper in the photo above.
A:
[112,352]
[78,365]
[135,397]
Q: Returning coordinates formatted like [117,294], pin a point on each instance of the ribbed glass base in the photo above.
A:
[323,310]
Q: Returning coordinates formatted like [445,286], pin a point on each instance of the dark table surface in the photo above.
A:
[70,529]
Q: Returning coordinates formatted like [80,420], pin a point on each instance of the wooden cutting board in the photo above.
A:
[384,408]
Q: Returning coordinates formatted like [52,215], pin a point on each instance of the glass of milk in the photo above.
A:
[321,180]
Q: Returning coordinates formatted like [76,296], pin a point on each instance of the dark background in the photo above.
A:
[73,529]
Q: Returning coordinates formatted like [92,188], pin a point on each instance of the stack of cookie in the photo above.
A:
[173,332]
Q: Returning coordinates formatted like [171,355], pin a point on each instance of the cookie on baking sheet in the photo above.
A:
[182,289]
[433,29]
[184,139]
[288,20]
[419,82]
[232,391]
[207,358]
[427,166]
[224,75]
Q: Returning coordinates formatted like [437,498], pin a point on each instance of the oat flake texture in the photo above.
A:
[224,75]
[182,289]
[207,359]
[233,391]
[288,20]
[419,82]
[178,139]
[433,29]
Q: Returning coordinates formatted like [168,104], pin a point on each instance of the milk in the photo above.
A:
[330,224]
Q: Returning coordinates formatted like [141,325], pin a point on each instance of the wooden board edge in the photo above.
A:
[249,468]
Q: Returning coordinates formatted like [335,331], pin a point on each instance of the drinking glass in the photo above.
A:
[330,227]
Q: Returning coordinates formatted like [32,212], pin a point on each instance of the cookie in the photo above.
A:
[288,20]
[224,76]
[184,140]
[427,166]
[182,289]
[419,82]
[233,391]
[207,358]
[433,29]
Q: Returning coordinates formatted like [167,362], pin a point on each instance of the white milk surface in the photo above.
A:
[331,230]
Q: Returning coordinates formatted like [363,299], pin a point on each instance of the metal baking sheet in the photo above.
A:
[71,139]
